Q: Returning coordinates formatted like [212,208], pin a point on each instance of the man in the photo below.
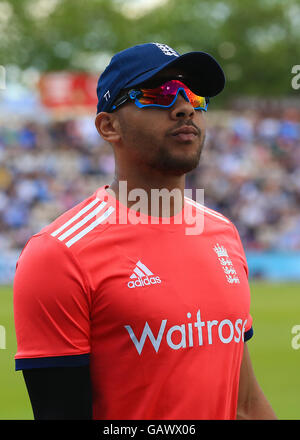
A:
[119,312]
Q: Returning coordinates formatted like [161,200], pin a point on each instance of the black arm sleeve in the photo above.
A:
[60,393]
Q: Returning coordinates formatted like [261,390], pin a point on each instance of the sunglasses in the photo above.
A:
[162,96]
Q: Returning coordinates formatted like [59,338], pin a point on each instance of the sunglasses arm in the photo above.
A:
[131,94]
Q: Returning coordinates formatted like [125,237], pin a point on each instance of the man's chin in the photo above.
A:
[177,167]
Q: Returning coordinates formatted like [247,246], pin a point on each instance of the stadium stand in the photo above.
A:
[249,169]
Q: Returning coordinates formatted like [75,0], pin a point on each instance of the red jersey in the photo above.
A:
[160,315]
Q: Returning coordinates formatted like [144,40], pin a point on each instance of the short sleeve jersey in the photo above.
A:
[159,311]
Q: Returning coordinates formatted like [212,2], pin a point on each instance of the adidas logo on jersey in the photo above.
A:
[142,276]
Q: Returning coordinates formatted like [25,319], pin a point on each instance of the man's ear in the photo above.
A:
[108,127]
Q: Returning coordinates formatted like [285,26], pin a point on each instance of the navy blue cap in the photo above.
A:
[133,66]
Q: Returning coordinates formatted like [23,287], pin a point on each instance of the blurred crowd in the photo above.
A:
[249,169]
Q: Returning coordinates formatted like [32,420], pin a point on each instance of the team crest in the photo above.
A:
[167,50]
[226,264]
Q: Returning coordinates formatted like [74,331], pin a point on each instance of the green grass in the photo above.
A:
[275,310]
[14,401]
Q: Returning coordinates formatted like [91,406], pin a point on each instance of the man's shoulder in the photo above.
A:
[72,225]
[209,214]
[47,251]
[71,216]
[76,223]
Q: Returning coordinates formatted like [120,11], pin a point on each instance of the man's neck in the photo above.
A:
[162,197]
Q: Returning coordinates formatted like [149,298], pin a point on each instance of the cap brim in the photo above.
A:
[201,71]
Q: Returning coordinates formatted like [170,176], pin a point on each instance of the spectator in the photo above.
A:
[250,172]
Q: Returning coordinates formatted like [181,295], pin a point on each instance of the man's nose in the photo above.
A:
[182,108]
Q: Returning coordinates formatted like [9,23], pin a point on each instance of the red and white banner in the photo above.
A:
[68,90]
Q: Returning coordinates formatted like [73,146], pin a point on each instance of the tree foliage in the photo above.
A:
[256,41]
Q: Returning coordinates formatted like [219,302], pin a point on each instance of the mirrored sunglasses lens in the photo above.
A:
[155,96]
[164,95]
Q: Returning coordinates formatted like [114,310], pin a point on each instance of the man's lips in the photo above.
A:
[185,133]
[185,130]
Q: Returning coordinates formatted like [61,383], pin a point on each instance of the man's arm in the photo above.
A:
[252,403]
[60,393]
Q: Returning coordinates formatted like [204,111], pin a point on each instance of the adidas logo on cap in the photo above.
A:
[142,276]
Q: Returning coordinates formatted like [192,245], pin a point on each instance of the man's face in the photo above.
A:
[169,140]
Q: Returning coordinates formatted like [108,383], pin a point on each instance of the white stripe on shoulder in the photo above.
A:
[91,226]
[205,209]
[82,222]
[76,217]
